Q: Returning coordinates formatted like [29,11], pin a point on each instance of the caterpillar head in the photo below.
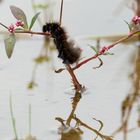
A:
[51,27]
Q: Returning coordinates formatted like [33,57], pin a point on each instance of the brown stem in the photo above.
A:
[71,115]
[109,47]
[31,32]
[77,96]
[27,31]
[75,102]
[92,129]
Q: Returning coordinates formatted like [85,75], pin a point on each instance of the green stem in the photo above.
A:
[13,118]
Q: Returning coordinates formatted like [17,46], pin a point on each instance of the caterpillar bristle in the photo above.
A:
[66,50]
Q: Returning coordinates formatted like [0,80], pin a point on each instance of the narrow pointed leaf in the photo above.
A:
[19,29]
[9,44]
[19,15]
[94,48]
[34,19]
[101,63]
[129,26]
[108,53]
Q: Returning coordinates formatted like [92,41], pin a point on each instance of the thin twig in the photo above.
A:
[3,25]
[101,126]
[77,96]
[27,31]
[77,85]
[12,117]
[109,47]
[33,33]
[92,129]
[75,102]
[87,60]
[61,12]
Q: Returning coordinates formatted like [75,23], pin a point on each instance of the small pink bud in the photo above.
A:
[11,28]
[81,49]
[136,19]
[103,50]
[19,23]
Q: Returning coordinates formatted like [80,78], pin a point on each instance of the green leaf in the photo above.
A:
[108,53]
[19,15]
[129,26]
[94,49]
[9,44]
[34,19]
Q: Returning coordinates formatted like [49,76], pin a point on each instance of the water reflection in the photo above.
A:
[74,133]
[71,134]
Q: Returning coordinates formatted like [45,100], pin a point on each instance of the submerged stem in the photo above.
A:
[75,102]
[77,96]
[104,137]
[30,119]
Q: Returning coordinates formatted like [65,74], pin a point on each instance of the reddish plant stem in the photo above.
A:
[33,33]
[91,58]
[27,31]
[107,48]
[75,81]
[77,85]
[77,96]
[102,136]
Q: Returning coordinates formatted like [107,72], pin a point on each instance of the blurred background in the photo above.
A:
[86,22]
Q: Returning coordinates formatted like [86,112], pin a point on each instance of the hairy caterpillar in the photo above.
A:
[66,50]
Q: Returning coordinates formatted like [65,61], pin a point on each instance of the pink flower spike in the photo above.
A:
[19,23]
[136,19]
[11,28]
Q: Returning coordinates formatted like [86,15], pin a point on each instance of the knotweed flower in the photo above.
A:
[103,50]
[136,20]
[19,23]
[11,28]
